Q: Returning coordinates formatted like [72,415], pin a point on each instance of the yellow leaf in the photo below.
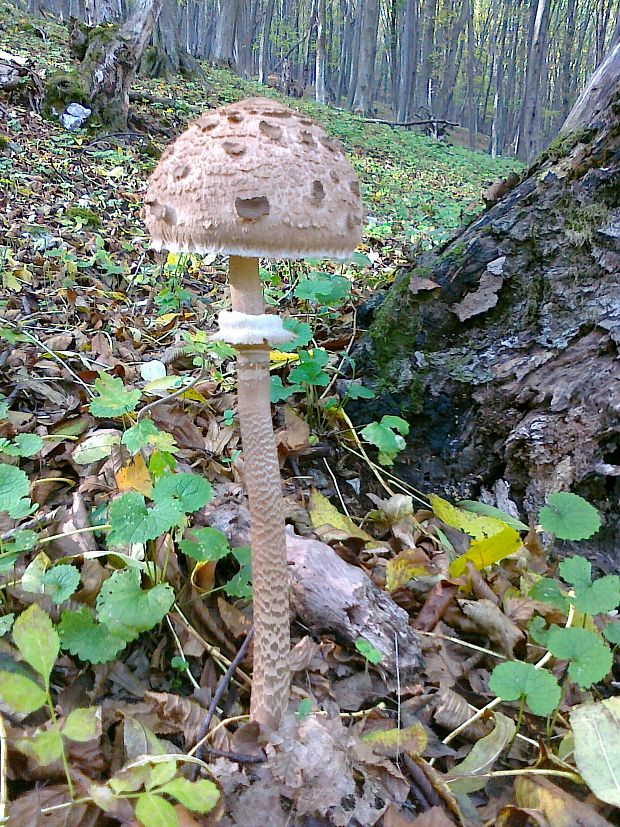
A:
[489,550]
[194,396]
[166,319]
[403,568]
[330,523]
[413,740]
[135,477]
[277,357]
[476,525]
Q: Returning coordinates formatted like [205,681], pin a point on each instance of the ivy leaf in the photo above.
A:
[89,641]
[24,445]
[199,797]
[324,288]
[14,491]
[515,679]
[569,516]
[126,609]
[209,545]
[61,582]
[590,658]
[139,435]
[154,811]
[133,522]
[188,492]
[21,694]
[113,398]
[37,640]
[382,435]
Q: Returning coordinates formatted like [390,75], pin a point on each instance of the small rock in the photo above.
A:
[75,116]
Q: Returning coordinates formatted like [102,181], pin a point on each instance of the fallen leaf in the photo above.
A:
[596,729]
[135,477]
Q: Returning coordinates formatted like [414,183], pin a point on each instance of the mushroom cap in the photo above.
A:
[255,178]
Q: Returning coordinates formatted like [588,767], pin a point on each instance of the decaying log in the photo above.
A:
[329,595]
[502,348]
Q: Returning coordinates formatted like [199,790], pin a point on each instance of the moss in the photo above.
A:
[581,221]
[397,325]
[563,144]
[61,89]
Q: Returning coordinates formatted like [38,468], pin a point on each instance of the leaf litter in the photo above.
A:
[124,535]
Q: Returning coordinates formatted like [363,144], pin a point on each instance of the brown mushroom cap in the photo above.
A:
[255,178]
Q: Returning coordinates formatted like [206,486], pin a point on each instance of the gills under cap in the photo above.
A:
[255,178]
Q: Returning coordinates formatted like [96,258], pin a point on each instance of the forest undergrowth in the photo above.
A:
[124,559]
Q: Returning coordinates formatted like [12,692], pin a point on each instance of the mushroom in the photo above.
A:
[254,179]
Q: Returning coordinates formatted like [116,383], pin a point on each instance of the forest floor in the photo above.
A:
[123,531]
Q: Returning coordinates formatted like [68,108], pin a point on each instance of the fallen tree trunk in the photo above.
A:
[507,368]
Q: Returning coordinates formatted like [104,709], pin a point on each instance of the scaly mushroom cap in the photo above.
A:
[255,178]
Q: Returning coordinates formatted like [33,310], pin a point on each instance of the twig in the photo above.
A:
[34,522]
[335,481]
[365,456]
[224,681]
[496,701]
[432,121]
[50,353]
[179,392]
[213,651]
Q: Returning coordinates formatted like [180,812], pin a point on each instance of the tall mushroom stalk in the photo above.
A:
[257,179]
[271,676]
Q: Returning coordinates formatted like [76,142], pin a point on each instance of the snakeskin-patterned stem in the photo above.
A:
[271,676]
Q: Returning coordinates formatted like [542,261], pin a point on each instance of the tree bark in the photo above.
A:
[508,369]
[224,45]
[110,64]
[528,146]
[362,96]
[263,53]
[321,54]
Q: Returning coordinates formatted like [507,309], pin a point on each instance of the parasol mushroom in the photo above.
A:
[257,179]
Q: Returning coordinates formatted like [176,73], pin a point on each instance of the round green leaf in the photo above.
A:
[515,679]
[207,544]
[189,491]
[590,657]
[569,516]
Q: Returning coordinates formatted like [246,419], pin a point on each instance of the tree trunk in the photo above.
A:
[508,369]
[263,52]
[224,45]
[408,60]
[532,104]
[321,54]
[111,58]
[362,97]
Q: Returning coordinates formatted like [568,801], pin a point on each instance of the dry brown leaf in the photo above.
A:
[180,714]
[451,710]
[435,817]
[294,436]
[135,477]
[519,817]
[437,601]
[490,619]
[25,811]
[235,620]
[559,807]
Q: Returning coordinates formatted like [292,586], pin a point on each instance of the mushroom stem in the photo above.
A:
[271,675]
